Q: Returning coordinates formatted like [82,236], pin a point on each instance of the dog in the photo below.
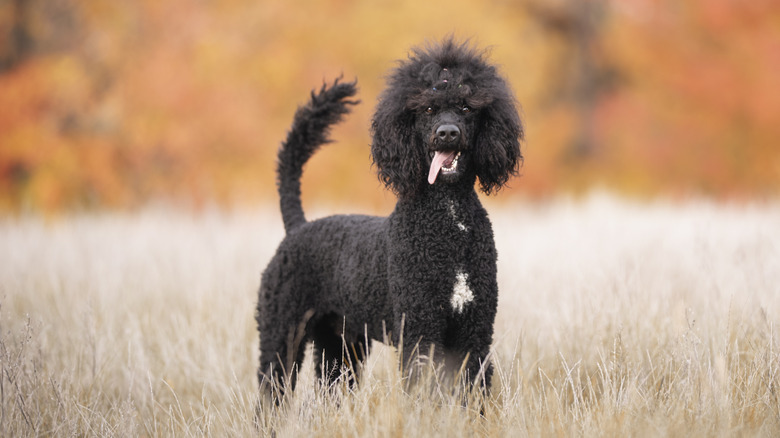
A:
[425,276]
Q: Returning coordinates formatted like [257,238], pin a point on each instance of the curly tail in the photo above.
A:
[309,131]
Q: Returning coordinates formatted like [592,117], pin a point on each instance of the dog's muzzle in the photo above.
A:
[445,162]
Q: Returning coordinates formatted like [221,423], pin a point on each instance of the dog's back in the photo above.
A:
[336,265]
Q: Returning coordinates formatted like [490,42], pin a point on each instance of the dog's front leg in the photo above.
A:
[418,329]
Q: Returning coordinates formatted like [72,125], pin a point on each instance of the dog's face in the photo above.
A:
[445,118]
[448,142]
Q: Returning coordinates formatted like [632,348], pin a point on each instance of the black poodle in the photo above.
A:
[425,275]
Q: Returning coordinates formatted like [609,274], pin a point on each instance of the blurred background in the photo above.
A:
[115,104]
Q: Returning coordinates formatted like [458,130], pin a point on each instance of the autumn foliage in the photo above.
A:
[114,104]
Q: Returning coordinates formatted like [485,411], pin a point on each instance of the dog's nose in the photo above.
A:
[448,133]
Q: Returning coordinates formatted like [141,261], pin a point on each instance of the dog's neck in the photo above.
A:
[463,187]
[440,195]
[449,213]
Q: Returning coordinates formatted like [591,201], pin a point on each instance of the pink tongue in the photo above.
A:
[438,160]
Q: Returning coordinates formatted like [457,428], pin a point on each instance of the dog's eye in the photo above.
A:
[465,109]
[428,110]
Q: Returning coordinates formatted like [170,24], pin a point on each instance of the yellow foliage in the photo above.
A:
[190,100]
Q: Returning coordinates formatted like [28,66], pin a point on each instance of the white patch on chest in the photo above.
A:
[451,206]
[461,292]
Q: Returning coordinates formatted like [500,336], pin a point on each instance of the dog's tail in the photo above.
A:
[309,131]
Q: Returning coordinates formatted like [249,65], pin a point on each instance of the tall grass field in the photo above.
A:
[615,318]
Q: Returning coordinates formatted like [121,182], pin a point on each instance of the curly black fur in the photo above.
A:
[427,270]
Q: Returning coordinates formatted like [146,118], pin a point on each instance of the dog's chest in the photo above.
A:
[436,248]
[462,294]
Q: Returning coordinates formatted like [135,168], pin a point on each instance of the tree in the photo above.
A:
[586,74]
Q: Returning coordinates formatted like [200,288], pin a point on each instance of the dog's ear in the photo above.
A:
[395,146]
[497,154]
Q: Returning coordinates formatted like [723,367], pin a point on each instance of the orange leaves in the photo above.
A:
[189,100]
[700,73]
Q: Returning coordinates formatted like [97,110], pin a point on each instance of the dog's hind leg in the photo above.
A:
[282,344]
[281,355]
[333,351]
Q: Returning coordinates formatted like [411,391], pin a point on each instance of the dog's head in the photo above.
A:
[446,117]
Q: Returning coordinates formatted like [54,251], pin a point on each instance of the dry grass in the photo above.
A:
[615,319]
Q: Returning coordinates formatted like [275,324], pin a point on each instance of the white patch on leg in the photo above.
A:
[461,293]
